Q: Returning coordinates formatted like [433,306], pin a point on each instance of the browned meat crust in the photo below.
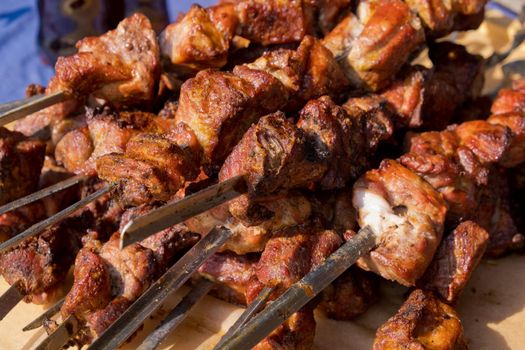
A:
[423,322]
[456,258]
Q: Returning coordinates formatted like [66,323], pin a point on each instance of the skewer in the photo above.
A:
[39,321]
[171,214]
[300,293]
[11,111]
[45,192]
[42,225]
[61,335]
[155,338]
[252,309]
[9,299]
[172,280]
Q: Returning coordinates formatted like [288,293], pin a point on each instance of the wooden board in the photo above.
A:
[492,308]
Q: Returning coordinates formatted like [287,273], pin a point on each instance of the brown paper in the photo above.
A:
[492,307]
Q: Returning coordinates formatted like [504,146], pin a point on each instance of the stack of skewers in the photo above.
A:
[258,149]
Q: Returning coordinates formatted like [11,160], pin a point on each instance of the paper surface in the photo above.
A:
[492,307]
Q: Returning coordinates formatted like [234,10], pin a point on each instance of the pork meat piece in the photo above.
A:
[341,38]
[407,216]
[510,99]
[331,12]
[391,33]
[121,66]
[198,40]
[21,161]
[219,107]
[422,322]
[437,16]
[275,21]
[272,155]
[350,295]
[456,259]
[515,154]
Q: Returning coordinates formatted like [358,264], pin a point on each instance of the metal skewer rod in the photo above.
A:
[179,314]
[11,111]
[300,293]
[61,335]
[9,299]
[173,213]
[256,305]
[47,315]
[45,192]
[172,280]
[42,225]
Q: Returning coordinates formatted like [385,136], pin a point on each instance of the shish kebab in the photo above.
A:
[364,101]
[245,146]
[148,39]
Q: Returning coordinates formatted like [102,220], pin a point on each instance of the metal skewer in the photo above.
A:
[179,314]
[11,111]
[42,225]
[61,335]
[45,192]
[9,299]
[300,293]
[171,214]
[172,280]
[256,305]
[47,315]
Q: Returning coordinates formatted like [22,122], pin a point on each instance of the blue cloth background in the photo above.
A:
[20,63]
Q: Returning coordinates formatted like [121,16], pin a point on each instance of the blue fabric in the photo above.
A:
[20,63]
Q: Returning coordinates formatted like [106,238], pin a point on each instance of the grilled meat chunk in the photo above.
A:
[121,275]
[456,258]
[339,41]
[121,66]
[350,295]
[16,221]
[21,161]
[390,34]
[406,214]
[199,40]
[515,154]
[511,99]
[423,322]
[275,21]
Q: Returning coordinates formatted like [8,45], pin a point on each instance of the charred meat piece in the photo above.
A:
[121,66]
[406,214]
[21,161]
[437,15]
[16,221]
[275,21]
[457,75]
[330,13]
[233,275]
[456,258]
[121,276]
[510,100]
[423,322]
[273,154]
[199,39]
[390,34]
[515,154]
[350,295]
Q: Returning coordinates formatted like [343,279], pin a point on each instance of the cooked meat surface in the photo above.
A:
[21,161]
[456,258]
[406,214]
[350,295]
[422,322]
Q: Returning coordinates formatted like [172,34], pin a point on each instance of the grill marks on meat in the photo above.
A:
[456,258]
[406,214]
[200,39]
[108,280]
[121,66]
[423,322]
[21,161]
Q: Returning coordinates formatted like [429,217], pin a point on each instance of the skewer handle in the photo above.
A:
[300,293]
[11,111]
[61,335]
[9,299]
[39,321]
[171,214]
